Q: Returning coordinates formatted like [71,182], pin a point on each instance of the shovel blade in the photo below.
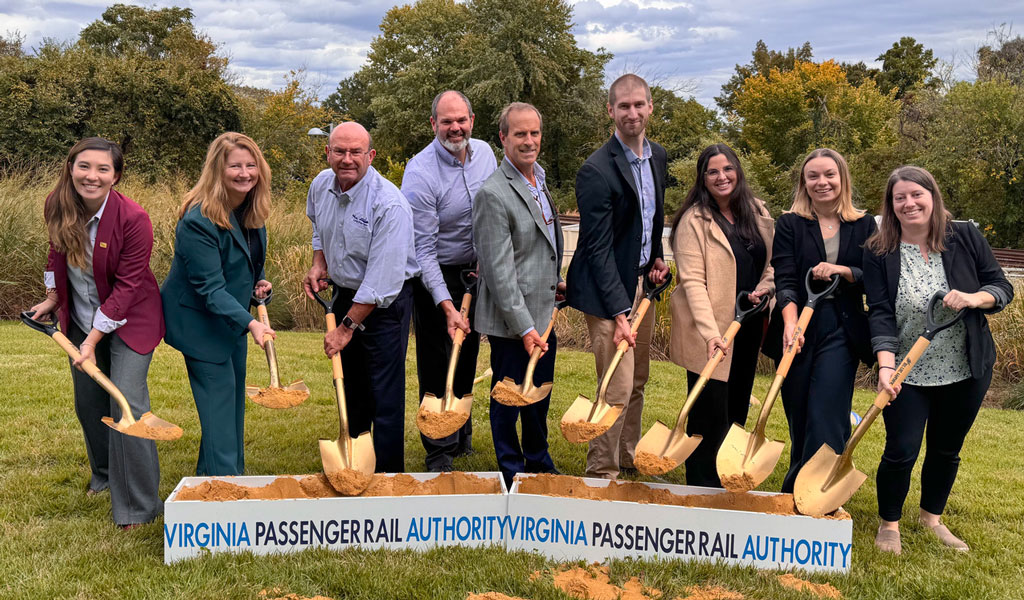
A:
[148,426]
[579,426]
[296,386]
[744,461]
[657,453]
[436,423]
[825,482]
[252,390]
[349,477]
[509,393]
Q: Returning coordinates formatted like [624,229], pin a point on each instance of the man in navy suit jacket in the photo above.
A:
[620,191]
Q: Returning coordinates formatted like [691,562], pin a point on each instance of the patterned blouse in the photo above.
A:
[945,361]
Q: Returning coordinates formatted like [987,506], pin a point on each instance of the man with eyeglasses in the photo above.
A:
[363,244]
[620,191]
[440,182]
[519,247]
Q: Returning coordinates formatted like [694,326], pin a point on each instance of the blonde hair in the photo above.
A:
[802,205]
[64,212]
[211,196]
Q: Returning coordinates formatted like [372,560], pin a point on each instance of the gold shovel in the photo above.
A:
[586,420]
[663,449]
[747,459]
[510,393]
[826,481]
[349,464]
[275,396]
[437,418]
[148,426]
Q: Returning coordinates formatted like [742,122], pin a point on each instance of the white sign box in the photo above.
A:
[596,530]
[195,527]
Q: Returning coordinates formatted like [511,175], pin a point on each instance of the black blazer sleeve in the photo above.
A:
[784,261]
[594,199]
[990,275]
[881,311]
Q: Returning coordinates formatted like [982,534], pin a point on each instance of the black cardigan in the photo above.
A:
[969,266]
[798,247]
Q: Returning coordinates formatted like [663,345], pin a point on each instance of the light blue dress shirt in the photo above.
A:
[365,234]
[643,177]
[85,298]
[440,192]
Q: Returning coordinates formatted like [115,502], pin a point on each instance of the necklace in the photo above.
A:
[830,227]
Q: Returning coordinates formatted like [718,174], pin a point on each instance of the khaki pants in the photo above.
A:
[617,446]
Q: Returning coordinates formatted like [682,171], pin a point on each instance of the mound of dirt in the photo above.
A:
[279,397]
[317,486]
[821,590]
[594,583]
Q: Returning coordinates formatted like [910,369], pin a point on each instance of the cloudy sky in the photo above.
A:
[683,44]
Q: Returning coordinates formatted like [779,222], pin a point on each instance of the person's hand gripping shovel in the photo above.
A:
[826,481]
[275,396]
[148,426]
[586,420]
[747,459]
[663,449]
[348,463]
[510,393]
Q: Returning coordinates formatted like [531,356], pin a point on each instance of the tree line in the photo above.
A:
[148,79]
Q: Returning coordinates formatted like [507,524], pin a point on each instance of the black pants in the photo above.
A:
[949,411]
[374,366]
[508,359]
[433,352]
[721,404]
[818,391]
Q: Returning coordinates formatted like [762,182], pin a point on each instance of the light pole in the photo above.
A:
[317,131]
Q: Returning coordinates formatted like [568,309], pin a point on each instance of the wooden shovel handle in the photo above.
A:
[535,354]
[98,376]
[332,324]
[705,375]
[268,347]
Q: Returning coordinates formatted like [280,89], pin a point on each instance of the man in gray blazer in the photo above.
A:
[518,243]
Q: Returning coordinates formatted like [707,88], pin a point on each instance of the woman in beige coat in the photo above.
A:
[722,244]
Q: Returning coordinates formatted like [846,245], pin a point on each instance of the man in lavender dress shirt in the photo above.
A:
[440,183]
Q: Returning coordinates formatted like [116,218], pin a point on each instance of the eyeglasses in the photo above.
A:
[341,153]
[713,173]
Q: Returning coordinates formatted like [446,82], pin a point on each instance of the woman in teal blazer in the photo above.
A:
[219,252]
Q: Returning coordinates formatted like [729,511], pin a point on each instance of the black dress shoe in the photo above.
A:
[628,472]
[441,469]
[552,471]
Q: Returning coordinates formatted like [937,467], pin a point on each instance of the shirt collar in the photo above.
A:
[538,173]
[450,158]
[99,213]
[630,155]
[355,189]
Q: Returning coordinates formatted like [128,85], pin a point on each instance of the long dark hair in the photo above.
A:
[64,212]
[742,202]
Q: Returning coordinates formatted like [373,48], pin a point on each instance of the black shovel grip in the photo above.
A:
[812,297]
[654,293]
[49,328]
[931,328]
[327,306]
[264,300]
[741,299]
[469,279]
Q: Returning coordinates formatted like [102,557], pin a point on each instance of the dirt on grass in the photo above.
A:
[630,491]
[437,425]
[273,595]
[349,482]
[710,592]
[492,596]
[594,583]
[317,486]
[820,590]
[279,397]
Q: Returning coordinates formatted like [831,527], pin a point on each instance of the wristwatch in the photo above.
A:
[348,322]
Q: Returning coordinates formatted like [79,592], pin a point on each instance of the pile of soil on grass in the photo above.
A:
[710,592]
[652,464]
[349,482]
[317,486]
[492,596]
[436,425]
[273,595]
[629,491]
[279,397]
[821,590]
[594,583]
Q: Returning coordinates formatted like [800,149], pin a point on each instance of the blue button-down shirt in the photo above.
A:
[540,197]
[440,191]
[365,234]
[643,177]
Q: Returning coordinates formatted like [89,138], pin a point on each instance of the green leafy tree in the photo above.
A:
[1003,59]
[786,114]
[858,73]
[763,61]
[679,124]
[124,29]
[906,66]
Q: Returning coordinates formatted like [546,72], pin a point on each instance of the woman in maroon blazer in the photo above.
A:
[106,297]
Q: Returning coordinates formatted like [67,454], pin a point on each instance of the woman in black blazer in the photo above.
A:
[917,251]
[824,233]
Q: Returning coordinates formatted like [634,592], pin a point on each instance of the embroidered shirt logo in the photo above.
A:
[361,220]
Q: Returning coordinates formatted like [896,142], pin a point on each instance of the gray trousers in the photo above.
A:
[125,464]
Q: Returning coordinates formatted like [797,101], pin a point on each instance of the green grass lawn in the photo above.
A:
[57,543]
